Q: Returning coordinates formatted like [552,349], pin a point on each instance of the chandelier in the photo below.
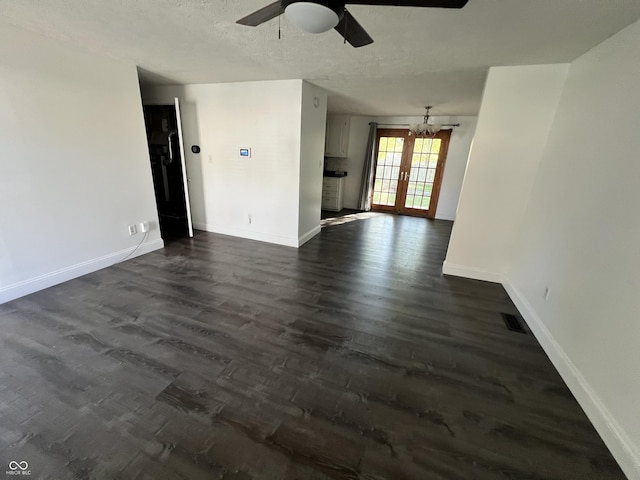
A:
[425,128]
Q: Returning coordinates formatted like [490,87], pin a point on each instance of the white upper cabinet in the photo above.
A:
[337,140]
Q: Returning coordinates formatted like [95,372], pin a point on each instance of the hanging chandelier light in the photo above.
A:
[425,128]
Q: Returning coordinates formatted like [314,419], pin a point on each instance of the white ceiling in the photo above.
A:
[420,56]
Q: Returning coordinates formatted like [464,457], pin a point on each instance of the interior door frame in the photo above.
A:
[405,170]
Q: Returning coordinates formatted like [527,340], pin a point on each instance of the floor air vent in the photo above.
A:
[513,323]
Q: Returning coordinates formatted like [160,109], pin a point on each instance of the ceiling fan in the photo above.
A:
[318,16]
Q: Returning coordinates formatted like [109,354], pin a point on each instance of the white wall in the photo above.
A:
[454,168]
[312,136]
[75,164]
[256,198]
[457,157]
[580,236]
[516,114]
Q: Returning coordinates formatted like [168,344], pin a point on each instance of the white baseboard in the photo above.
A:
[612,433]
[261,237]
[200,226]
[471,272]
[25,287]
[309,235]
[249,234]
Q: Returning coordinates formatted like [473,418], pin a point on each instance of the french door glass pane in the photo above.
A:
[424,162]
[387,170]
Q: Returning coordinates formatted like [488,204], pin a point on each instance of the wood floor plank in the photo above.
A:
[352,357]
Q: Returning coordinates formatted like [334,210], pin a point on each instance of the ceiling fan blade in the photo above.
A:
[263,15]
[352,31]
[413,3]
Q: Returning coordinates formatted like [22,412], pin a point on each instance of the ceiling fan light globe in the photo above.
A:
[312,17]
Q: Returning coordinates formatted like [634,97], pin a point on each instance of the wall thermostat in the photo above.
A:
[245,152]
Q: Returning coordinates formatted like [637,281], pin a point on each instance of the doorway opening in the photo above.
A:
[168,169]
[408,172]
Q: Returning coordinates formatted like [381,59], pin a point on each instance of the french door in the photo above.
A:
[408,172]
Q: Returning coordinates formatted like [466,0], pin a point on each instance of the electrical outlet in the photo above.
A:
[547,292]
[145,227]
[132,230]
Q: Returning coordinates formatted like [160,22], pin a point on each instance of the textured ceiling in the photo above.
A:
[420,56]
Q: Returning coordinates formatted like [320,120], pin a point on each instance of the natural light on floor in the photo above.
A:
[330,222]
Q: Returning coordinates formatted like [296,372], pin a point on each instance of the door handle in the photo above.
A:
[169,140]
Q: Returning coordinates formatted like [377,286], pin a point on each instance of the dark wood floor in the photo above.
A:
[222,358]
